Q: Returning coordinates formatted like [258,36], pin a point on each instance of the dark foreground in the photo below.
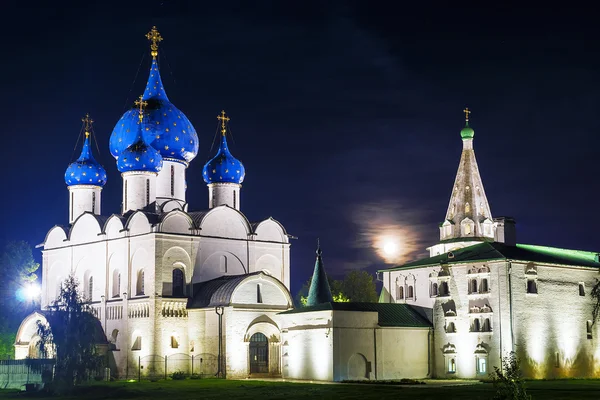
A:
[250,389]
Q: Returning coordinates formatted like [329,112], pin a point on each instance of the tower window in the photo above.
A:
[581,289]
[467,208]
[93,202]
[473,286]
[484,286]
[172,180]
[147,191]
[476,325]
[140,283]
[259,298]
[588,328]
[443,289]
[434,289]
[399,292]
[234,205]
[125,198]
[178,282]
[450,328]
[410,292]
[90,287]
[72,197]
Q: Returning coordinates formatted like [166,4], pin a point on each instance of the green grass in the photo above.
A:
[243,389]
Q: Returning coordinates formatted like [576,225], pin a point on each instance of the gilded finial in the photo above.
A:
[154,38]
[467,112]
[223,120]
[141,104]
[87,124]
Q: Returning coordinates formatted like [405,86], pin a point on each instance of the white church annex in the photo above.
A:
[169,283]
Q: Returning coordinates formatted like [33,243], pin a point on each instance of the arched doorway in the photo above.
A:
[259,354]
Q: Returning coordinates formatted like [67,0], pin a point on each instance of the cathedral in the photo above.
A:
[208,291]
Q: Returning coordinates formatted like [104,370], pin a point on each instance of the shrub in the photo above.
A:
[508,381]
[195,376]
[178,376]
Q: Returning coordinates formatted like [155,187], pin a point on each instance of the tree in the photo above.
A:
[17,267]
[70,335]
[508,380]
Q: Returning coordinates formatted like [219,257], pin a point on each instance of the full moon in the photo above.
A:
[390,248]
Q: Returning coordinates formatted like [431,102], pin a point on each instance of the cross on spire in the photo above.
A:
[154,38]
[87,124]
[223,120]
[467,112]
[141,104]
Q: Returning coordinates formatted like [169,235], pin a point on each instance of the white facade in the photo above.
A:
[84,198]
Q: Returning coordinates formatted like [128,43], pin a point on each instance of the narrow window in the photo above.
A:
[557,360]
[178,283]
[451,365]
[476,325]
[90,288]
[481,365]
[140,283]
[399,292]
[588,327]
[147,191]
[444,291]
[531,286]
[467,208]
[223,264]
[410,293]
[125,206]
[434,289]
[93,202]
[234,202]
[137,343]
[72,206]
[172,180]
[258,294]
[174,342]
[487,327]
[116,283]
[581,289]
[484,286]
[473,285]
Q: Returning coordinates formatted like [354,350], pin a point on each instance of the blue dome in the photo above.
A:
[224,168]
[85,170]
[140,156]
[167,129]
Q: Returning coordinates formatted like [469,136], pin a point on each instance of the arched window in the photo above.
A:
[259,298]
[139,290]
[116,283]
[451,365]
[125,197]
[147,191]
[581,289]
[399,292]
[450,328]
[487,327]
[178,282]
[473,288]
[467,208]
[234,202]
[443,290]
[531,286]
[172,180]
[434,289]
[484,286]
[93,202]
[90,288]
[476,325]
[223,264]
[410,293]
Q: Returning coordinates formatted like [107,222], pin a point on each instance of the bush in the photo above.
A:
[178,376]
[508,381]
[195,376]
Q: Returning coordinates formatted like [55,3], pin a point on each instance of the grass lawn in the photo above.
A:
[230,390]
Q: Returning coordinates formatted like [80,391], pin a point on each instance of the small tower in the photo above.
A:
[224,173]
[85,178]
[139,165]
[468,219]
[319,291]
[166,129]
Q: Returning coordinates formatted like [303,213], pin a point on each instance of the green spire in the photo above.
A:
[319,291]
[467,132]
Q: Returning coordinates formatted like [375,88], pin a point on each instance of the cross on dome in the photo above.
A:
[223,120]
[87,124]
[154,38]
[141,104]
[467,112]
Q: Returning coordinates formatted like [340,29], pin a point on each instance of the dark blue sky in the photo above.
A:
[345,114]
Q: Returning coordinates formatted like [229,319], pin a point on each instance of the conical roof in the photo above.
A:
[319,291]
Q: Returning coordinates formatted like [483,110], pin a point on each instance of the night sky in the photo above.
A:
[346,115]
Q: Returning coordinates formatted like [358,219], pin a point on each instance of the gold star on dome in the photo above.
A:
[177,138]
[137,159]
[158,136]
[167,147]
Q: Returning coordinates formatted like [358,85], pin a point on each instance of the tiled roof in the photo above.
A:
[499,251]
[389,314]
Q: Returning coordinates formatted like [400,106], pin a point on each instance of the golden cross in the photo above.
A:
[467,112]
[223,120]
[141,103]
[155,38]
[87,124]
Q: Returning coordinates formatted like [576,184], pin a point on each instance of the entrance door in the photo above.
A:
[259,354]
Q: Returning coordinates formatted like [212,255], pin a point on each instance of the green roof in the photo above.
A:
[389,314]
[489,251]
[319,291]
[467,132]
